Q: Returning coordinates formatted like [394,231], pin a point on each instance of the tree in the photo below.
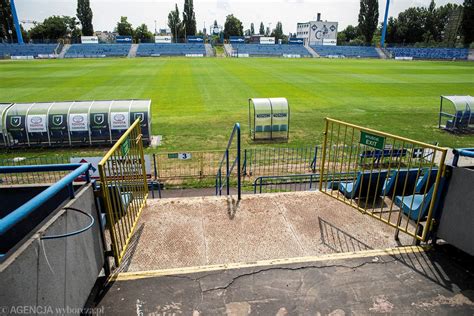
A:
[467,24]
[6,23]
[189,19]
[55,27]
[267,31]
[368,18]
[262,29]
[142,34]
[233,26]
[124,27]
[278,31]
[351,32]
[84,14]
[252,29]
[174,23]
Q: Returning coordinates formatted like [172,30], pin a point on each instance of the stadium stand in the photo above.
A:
[429,53]
[27,49]
[346,51]
[173,49]
[97,50]
[270,50]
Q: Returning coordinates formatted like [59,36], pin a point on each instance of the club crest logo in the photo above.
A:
[138,115]
[57,120]
[15,121]
[99,119]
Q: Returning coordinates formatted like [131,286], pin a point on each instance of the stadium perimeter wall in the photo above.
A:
[55,275]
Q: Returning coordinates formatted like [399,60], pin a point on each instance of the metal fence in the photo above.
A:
[393,179]
[43,177]
[124,187]
[280,161]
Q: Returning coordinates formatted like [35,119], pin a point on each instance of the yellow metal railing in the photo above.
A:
[124,186]
[393,179]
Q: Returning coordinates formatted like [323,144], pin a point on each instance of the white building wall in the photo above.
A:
[315,32]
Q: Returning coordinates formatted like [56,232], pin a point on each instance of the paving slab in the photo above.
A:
[185,232]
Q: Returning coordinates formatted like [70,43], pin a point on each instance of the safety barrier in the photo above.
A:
[230,166]
[280,161]
[393,179]
[124,187]
[46,176]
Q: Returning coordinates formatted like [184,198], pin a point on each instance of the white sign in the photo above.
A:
[119,120]
[94,161]
[267,40]
[184,156]
[36,123]
[89,40]
[78,122]
[329,42]
[162,39]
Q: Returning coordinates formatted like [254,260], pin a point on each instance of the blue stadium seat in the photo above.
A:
[98,50]
[170,49]
[429,53]
[346,51]
[26,49]
[365,185]
[270,50]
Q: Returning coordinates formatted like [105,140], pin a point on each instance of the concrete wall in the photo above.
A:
[457,217]
[58,274]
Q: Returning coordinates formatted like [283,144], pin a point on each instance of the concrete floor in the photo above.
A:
[397,281]
[175,233]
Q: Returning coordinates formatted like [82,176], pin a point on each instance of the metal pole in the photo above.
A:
[239,184]
[227,175]
[19,36]
[384,30]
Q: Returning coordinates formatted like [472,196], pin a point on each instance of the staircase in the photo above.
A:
[471,55]
[228,50]
[312,51]
[64,50]
[209,50]
[381,53]
[133,51]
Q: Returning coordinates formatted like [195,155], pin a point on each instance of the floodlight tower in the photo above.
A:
[384,30]
[19,36]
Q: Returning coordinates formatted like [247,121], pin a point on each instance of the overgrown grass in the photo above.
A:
[197,101]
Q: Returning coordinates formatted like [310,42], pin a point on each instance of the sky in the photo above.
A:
[289,12]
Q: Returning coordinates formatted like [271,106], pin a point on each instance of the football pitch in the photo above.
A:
[195,102]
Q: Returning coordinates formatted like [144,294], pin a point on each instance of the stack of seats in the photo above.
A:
[98,50]
[346,51]
[429,53]
[170,49]
[26,49]
[270,50]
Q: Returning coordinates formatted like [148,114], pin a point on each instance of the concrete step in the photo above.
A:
[209,50]
[228,50]
[400,281]
[312,51]
[133,51]
[64,50]
[381,53]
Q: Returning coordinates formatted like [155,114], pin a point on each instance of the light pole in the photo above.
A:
[155,28]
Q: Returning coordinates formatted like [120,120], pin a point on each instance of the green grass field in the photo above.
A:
[196,101]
